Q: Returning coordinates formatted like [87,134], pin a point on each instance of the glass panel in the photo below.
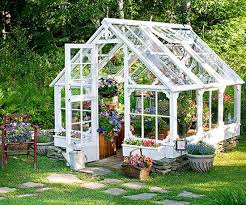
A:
[149,127]
[63,111]
[87,128]
[135,102]
[214,109]
[149,103]
[163,104]
[136,125]
[75,91]
[76,127]
[163,128]
[75,52]
[86,71]
[75,72]
[187,113]
[229,105]
[75,105]
[206,111]
[75,116]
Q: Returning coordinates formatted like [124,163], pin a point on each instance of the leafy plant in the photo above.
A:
[201,148]
[109,121]
[45,138]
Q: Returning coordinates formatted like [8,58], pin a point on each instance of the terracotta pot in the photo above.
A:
[201,163]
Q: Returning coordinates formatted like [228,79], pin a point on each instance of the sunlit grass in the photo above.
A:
[228,174]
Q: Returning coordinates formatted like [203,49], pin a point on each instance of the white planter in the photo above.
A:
[155,153]
[60,141]
[201,163]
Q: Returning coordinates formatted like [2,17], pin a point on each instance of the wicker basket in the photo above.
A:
[136,172]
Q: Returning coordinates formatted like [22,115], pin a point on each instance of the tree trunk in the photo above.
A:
[121,8]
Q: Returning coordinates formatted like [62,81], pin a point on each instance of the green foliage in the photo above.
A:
[228,40]
[25,76]
[44,138]
[32,54]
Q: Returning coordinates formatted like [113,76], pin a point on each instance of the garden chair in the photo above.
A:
[18,136]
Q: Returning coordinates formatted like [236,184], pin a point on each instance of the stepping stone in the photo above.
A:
[4,190]
[25,195]
[96,171]
[158,189]
[111,181]
[2,198]
[190,195]
[44,189]
[134,185]
[143,196]
[63,178]
[173,202]
[93,185]
[31,185]
[115,191]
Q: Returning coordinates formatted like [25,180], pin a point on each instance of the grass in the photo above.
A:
[224,184]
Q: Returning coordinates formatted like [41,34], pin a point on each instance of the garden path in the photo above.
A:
[111,186]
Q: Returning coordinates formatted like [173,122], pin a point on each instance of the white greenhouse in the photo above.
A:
[176,63]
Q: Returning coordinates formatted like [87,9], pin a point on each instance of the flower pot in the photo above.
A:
[201,163]
[42,148]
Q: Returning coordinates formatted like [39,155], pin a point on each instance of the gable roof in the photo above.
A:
[172,52]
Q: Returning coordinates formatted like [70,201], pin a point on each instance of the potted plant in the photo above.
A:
[44,140]
[201,156]
[110,122]
[137,166]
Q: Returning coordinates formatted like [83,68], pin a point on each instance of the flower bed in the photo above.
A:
[142,143]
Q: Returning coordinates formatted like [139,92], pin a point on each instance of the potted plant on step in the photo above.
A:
[201,156]
[44,140]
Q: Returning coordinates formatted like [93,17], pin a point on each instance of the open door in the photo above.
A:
[81,99]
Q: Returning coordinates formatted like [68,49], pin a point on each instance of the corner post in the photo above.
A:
[57,104]
[199,101]
[221,107]
[126,93]
[237,106]
[173,107]
[68,99]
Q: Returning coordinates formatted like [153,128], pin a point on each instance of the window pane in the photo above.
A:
[136,125]
[149,127]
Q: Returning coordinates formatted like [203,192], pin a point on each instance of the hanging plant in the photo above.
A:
[107,88]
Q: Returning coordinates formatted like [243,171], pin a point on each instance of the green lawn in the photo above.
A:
[228,174]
